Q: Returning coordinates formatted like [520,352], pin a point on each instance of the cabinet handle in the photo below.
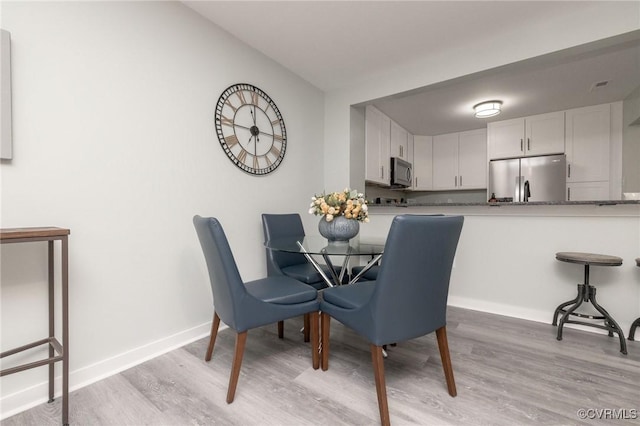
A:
[382,172]
[401,154]
[455,181]
[528,144]
[568,194]
[460,180]
[569,170]
[521,144]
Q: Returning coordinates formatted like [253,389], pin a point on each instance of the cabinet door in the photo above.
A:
[411,156]
[588,191]
[472,159]
[422,163]
[377,128]
[445,161]
[506,138]
[588,135]
[544,134]
[399,141]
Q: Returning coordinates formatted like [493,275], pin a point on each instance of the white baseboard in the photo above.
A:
[519,312]
[35,395]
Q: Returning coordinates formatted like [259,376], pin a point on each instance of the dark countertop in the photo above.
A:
[533,203]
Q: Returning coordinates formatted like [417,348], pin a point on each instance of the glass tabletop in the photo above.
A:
[319,245]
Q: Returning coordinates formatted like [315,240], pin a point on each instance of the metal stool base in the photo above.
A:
[632,330]
[587,293]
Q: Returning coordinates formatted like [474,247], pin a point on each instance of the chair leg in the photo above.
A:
[381,387]
[324,340]
[281,329]
[241,340]
[315,339]
[443,345]
[214,333]
[306,327]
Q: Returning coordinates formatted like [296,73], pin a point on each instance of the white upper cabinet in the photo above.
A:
[460,160]
[377,146]
[399,141]
[472,159]
[422,163]
[528,136]
[588,134]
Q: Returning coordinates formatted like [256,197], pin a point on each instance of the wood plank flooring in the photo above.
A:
[507,371]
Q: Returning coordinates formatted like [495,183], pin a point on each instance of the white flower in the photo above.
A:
[364,207]
[312,211]
[329,217]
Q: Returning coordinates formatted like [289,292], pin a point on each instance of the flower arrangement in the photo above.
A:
[348,203]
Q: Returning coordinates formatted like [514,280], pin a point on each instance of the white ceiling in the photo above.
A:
[335,44]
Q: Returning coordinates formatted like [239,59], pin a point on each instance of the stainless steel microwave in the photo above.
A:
[401,173]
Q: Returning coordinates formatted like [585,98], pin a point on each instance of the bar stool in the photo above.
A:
[636,323]
[587,293]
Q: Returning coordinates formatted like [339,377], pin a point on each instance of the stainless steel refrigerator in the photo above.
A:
[528,178]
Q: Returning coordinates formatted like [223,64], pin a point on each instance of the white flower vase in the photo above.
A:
[339,230]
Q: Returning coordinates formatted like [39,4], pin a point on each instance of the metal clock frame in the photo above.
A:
[226,116]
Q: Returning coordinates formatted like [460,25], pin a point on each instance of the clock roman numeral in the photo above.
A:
[276,122]
[275,151]
[230,105]
[255,163]
[269,163]
[231,140]
[277,137]
[242,156]
[243,100]
[226,121]
[254,98]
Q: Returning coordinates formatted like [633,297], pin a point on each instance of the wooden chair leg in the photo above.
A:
[325,319]
[281,329]
[306,327]
[212,339]
[241,340]
[315,339]
[381,387]
[443,345]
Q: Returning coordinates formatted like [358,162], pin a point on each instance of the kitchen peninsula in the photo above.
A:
[505,262]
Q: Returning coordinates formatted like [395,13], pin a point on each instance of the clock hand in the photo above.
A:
[242,127]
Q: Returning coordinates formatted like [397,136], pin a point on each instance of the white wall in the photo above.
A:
[114,138]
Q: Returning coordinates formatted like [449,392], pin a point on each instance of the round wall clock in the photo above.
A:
[250,129]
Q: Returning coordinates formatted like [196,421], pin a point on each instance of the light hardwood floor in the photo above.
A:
[507,371]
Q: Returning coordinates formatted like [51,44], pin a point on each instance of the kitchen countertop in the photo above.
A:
[498,204]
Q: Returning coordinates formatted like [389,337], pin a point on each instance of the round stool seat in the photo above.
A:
[589,258]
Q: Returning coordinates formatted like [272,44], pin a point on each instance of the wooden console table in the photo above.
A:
[57,351]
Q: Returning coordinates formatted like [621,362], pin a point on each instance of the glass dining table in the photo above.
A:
[311,246]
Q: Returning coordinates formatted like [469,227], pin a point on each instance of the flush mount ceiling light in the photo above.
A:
[487,109]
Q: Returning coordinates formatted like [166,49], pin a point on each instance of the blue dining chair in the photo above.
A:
[246,305]
[408,299]
[294,265]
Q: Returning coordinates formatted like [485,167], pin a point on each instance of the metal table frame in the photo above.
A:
[57,352]
[314,245]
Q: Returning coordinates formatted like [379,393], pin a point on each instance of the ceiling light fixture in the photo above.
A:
[487,109]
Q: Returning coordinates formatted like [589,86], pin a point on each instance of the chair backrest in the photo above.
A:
[277,226]
[410,296]
[226,284]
